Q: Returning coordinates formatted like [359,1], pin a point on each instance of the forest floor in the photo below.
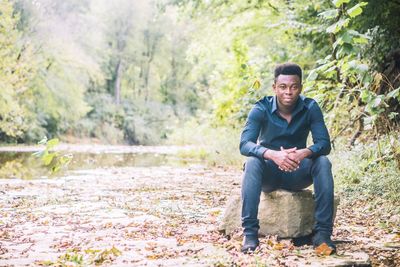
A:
[161,216]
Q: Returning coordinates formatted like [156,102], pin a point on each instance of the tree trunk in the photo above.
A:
[117,83]
[151,46]
[146,81]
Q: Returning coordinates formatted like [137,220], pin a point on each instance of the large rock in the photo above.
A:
[283,213]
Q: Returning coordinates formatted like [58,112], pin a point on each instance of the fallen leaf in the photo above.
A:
[392,245]
[279,246]
[323,250]
[108,225]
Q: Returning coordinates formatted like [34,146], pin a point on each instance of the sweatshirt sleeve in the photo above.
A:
[250,133]
[319,133]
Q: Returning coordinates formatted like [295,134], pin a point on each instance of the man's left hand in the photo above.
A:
[297,155]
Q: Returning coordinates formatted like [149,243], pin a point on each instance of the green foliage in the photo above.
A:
[238,50]
[138,73]
[343,81]
[16,69]
[14,169]
[136,122]
[342,74]
[375,173]
[41,92]
[343,46]
[356,10]
[380,20]
[339,3]
[54,160]
[240,89]
[76,68]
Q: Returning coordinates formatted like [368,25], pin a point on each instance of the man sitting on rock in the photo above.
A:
[274,140]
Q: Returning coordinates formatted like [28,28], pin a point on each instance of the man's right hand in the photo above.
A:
[282,159]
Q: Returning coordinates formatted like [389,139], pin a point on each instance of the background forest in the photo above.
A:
[187,72]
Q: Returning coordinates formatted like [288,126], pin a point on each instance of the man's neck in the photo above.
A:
[285,110]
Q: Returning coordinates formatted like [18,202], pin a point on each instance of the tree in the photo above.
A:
[17,68]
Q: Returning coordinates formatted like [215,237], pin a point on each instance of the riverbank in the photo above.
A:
[154,216]
[98,148]
[164,215]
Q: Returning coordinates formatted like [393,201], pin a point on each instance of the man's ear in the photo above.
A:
[274,87]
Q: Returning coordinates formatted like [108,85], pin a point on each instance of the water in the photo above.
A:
[23,165]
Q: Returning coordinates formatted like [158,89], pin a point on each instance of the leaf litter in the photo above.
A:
[164,216]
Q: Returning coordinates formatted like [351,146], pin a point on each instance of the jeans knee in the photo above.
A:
[323,162]
[322,175]
[253,163]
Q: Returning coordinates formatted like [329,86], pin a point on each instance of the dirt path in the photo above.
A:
[158,216]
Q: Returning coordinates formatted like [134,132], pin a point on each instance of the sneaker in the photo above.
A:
[320,237]
[250,243]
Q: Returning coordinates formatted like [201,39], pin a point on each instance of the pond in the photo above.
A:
[21,164]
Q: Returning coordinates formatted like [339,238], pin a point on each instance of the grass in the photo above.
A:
[368,170]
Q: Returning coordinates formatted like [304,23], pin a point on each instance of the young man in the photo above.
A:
[274,140]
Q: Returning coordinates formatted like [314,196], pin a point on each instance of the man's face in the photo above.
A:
[287,89]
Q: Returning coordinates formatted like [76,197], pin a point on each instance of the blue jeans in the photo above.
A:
[264,175]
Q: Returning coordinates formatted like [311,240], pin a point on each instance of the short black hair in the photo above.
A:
[288,69]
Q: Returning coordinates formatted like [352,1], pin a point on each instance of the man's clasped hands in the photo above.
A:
[288,160]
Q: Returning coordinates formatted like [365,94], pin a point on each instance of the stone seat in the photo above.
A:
[282,213]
